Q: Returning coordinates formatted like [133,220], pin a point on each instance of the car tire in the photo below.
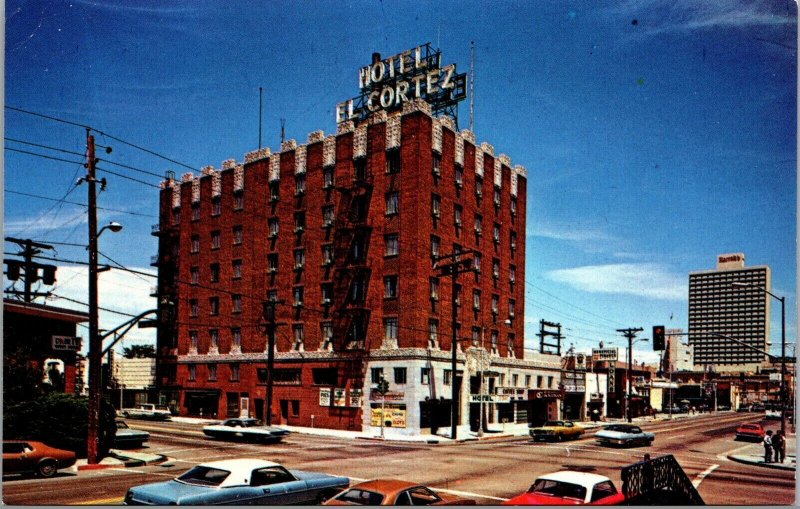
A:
[325,495]
[47,468]
[559,438]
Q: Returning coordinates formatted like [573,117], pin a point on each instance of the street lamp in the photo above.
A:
[783,347]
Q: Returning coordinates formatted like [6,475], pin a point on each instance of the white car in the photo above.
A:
[624,434]
[245,429]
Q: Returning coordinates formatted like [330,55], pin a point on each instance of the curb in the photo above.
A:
[760,463]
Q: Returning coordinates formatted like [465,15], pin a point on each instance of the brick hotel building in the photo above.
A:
[340,232]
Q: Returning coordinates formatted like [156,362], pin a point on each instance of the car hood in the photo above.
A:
[131,433]
[167,492]
[538,499]
[619,434]
[307,476]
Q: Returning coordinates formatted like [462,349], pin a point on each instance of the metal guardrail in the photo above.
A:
[660,480]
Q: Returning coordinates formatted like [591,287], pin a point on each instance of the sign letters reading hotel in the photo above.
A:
[413,74]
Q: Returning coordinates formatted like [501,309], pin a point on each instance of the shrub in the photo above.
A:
[59,420]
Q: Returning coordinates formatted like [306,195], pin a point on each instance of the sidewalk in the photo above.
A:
[754,455]
[118,458]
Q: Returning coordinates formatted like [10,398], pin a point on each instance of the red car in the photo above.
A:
[25,456]
[570,488]
[749,432]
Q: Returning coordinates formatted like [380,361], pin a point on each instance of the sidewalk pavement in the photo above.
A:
[118,458]
[754,455]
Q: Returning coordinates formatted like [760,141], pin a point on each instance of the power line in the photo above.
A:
[43,156]
[30,195]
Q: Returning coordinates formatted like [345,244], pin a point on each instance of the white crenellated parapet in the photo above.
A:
[393,132]
[195,190]
[315,136]
[238,177]
[479,161]
[216,184]
[521,171]
[329,151]
[518,171]
[256,155]
[206,170]
[459,151]
[288,145]
[300,159]
[436,137]
[360,142]
[187,177]
[176,195]
[499,162]
[417,105]
[378,117]
[275,167]
[488,148]
[468,135]
[227,164]
[345,127]
[448,122]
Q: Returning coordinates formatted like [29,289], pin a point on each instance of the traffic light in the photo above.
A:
[658,337]
[383,386]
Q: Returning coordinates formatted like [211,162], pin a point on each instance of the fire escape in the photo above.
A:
[351,237]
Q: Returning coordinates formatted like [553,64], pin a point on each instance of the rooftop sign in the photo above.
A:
[386,84]
[730,261]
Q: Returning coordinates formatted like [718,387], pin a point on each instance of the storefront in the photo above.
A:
[543,405]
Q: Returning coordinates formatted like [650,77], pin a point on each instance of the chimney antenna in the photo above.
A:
[260,94]
[283,133]
[471,85]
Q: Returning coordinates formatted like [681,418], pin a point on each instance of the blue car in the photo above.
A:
[239,482]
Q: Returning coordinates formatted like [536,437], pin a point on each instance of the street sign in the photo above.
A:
[774,377]
[604,354]
[71,343]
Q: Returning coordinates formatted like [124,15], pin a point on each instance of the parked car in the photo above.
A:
[676,409]
[245,429]
[744,407]
[394,492]
[556,430]
[623,434]
[129,437]
[239,481]
[148,411]
[568,487]
[723,408]
[758,407]
[29,457]
[749,432]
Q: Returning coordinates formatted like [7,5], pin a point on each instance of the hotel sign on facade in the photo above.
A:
[386,84]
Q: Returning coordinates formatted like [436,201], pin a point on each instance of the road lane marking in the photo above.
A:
[101,501]
[469,494]
[703,475]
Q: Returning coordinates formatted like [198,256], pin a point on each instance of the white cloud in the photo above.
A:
[643,280]
[568,233]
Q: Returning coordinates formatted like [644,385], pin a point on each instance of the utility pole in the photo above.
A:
[31,269]
[630,334]
[269,317]
[95,346]
[453,269]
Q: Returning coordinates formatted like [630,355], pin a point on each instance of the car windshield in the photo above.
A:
[361,497]
[749,426]
[622,429]
[554,423]
[558,489]
[204,476]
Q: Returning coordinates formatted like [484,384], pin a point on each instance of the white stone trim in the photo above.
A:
[288,145]
[468,135]
[436,136]
[488,148]
[238,178]
[360,142]
[315,136]
[275,167]
[459,149]
[257,155]
[329,151]
[227,164]
[479,161]
[417,105]
[378,117]
[393,130]
[498,173]
[300,160]
[176,195]
[447,122]
[345,127]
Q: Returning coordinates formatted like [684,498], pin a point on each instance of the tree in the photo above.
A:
[139,352]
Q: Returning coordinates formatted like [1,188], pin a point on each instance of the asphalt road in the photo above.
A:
[489,471]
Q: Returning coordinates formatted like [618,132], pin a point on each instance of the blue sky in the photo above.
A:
[656,134]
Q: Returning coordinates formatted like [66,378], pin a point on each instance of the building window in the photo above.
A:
[327,215]
[493,336]
[193,341]
[433,333]
[391,244]
[273,191]
[478,224]
[295,403]
[195,244]
[392,203]
[528,380]
[436,206]
[192,372]
[213,305]
[495,268]
[195,211]
[212,372]
[436,164]
[327,177]
[299,258]
[390,329]
[549,382]
[272,295]
[393,161]
[510,346]
[457,215]
[236,303]
[513,242]
[194,275]
[476,262]
[459,177]
[539,381]
[476,336]
[390,287]
[376,375]
[325,376]
[176,216]
[236,340]
[238,201]
[447,379]
[512,276]
[297,334]
[360,169]
[215,240]
[513,206]
[297,296]
[478,188]
[236,269]
[400,375]
[511,306]
[358,289]
[194,308]
[425,376]
[214,272]
[514,380]
[238,235]
[299,221]
[358,249]
[436,244]
[496,233]
[272,263]
[327,254]
[434,288]
[495,304]
[213,336]
[327,335]
[216,207]
[476,300]
[234,372]
[496,197]
[326,290]
[272,224]
[299,185]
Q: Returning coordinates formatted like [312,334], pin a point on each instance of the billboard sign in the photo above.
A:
[605,354]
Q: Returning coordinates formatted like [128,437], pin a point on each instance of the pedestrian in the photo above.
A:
[595,415]
[768,447]
[779,446]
